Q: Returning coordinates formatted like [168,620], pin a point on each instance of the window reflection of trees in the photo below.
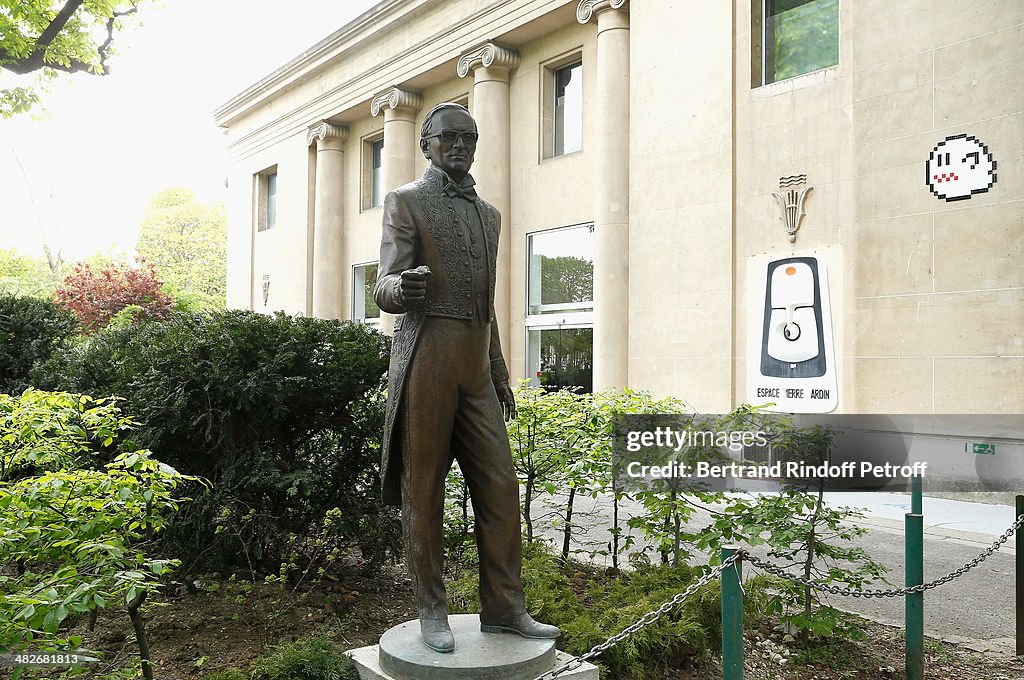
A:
[802,36]
[567,358]
[566,279]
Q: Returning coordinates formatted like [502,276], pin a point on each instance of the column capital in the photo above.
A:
[588,8]
[324,131]
[488,55]
[395,98]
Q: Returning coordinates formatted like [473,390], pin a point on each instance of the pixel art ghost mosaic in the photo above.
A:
[959,167]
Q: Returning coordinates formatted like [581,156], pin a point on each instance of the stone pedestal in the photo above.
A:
[401,655]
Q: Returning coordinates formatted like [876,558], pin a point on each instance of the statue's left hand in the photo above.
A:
[507,400]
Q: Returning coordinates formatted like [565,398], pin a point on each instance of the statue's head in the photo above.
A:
[448,138]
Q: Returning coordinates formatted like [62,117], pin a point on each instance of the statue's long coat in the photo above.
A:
[420,228]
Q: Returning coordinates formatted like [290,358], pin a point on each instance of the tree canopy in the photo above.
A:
[47,37]
[187,241]
[26,275]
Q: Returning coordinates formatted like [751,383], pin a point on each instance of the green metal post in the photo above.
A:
[916,495]
[914,602]
[732,618]
[1019,579]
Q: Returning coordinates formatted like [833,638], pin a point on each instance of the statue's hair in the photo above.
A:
[428,119]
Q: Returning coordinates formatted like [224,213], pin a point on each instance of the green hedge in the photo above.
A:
[30,331]
[282,414]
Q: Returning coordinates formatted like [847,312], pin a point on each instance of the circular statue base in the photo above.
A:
[477,656]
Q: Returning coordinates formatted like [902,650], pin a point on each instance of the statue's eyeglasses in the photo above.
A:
[449,137]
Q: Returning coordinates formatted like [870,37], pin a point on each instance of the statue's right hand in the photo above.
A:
[414,287]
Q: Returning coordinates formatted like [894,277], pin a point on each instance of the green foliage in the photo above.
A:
[548,430]
[283,414]
[459,547]
[187,241]
[563,449]
[228,674]
[25,275]
[590,607]
[669,503]
[309,560]
[50,432]
[30,331]
[316,658]
[801,531]
[73,536]
[43,37]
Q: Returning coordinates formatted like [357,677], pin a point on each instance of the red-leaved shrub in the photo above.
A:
[95,296]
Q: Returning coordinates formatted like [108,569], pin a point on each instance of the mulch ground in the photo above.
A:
[209,624]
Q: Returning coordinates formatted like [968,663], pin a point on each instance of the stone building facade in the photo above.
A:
[635,150]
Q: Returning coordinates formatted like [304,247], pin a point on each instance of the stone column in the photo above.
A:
[611,192]
[400,149]
[490,65]
[329,267]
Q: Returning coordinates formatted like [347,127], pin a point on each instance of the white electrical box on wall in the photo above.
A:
[791,357]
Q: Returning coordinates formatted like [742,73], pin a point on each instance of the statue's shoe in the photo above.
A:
[521,624]
[437,635]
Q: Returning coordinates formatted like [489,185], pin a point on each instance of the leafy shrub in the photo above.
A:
[30,331]
[284,415]
[73,536]
[590,607]
[316,658]
[96,296]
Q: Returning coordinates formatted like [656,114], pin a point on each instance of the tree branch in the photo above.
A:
[56,26]
[102,51]
[36,60]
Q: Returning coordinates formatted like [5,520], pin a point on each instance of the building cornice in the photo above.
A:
[395,98]
[488,55]
[366,27]
[323,131]
[357,88]
[588,8]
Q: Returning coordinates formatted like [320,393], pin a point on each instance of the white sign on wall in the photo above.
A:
[792,351]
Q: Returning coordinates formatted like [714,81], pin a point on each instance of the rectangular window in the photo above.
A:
[376,173]
[364,308]
[793,37]
[568,109]
[271,200]
[561,271]
[371,185]
[266,199]
[559,322]
[562,357]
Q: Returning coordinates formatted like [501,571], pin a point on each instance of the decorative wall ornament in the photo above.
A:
[395,98]
[587,8]
[487,55]
[266,289]
[324,130]
[959,167]
[792,202]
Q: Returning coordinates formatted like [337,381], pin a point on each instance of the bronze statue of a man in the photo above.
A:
[448,391]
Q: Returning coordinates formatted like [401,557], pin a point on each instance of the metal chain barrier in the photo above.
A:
[644,621]
[650,617]
[892,592]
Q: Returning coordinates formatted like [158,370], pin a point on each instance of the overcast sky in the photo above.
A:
[81,172]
